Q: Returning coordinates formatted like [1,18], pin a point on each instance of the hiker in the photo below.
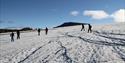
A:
[18,34]
[12,37]
[46,30]
[90,28]
[82,27]
[38,32]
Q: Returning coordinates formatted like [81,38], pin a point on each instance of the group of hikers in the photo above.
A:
[18,34]
[46,32]
[12,35]
[89,28]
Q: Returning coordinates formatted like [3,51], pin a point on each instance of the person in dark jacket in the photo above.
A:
[90,28]
[12,37]
[18,34]
[46,31]
[38,32]
[83,27]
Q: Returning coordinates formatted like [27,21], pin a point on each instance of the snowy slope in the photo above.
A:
[66,45]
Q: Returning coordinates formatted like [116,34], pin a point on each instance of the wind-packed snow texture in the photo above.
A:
[106,44]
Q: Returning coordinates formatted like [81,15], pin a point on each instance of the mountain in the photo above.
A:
[10,29]
[69,24]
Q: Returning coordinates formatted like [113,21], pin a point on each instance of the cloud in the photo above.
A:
[74,13]
[96,14]
[119,16]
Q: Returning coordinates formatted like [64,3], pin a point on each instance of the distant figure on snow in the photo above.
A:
[38,32]
[18,34]
[46,30]
[12,37]
[82,27]
[89,28]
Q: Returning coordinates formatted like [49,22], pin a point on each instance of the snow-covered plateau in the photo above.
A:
[106,44]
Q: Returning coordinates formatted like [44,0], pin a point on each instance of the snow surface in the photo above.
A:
[106,44]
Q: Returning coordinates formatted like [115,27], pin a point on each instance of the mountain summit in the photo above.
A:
[69,24]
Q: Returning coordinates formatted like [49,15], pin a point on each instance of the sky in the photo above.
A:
[50,13]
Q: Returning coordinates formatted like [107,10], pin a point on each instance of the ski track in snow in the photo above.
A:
[64,45]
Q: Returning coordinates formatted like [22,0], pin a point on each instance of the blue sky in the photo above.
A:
[42,13]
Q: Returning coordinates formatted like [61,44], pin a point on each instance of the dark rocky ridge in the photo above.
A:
[70,24]
[13,30]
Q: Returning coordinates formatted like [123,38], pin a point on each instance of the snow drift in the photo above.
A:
[106,44]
